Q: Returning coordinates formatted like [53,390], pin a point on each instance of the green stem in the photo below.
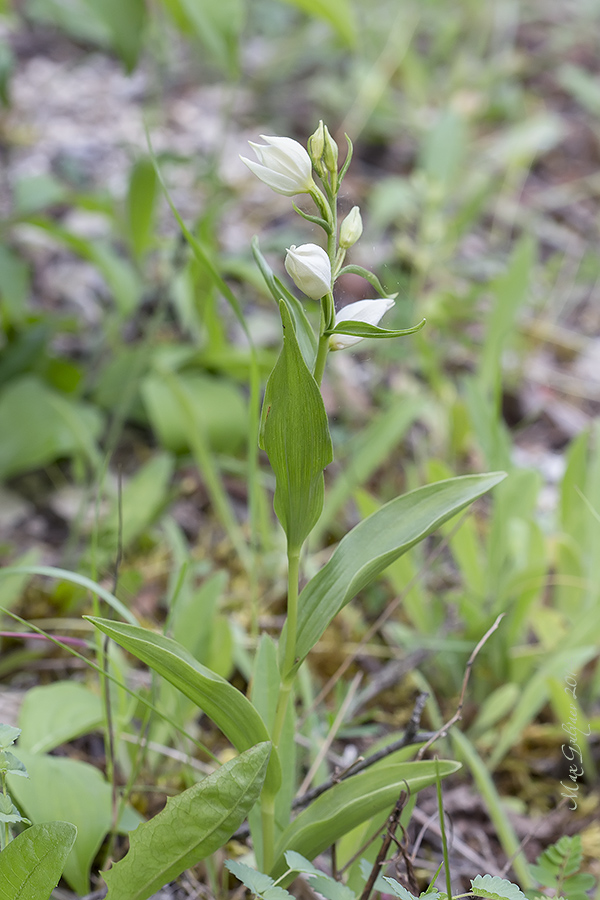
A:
[267,812]
[285,689]
[292,612]
[322,351]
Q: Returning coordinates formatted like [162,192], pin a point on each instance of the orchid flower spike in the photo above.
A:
[283,165]
[368,311]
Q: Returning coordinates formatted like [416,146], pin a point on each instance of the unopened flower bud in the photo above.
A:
[330,153]
[351,228]
[316,147]
[310,269]
[369,311]
[283,164]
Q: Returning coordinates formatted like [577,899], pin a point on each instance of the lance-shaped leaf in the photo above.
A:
[295,435]
[31,865]
[191,827]
[375,543]
[220,701]
[366,330]
[352,802]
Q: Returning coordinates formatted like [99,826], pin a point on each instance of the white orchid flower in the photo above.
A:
[309,267]
[368,311]
[283,164]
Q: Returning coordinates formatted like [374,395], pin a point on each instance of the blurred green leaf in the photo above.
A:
[191,827]
[39,426]
[295,435]
[31,865]
[141,203]
[37,192]
[444,148]
[582,85]
[218,405]
[52,714]
[14,287]
[73,791]
[338,13]
[142,497]
[217,25]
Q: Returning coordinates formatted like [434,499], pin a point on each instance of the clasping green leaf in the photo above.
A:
[294,433]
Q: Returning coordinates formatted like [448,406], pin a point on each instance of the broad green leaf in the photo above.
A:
[39,425]
[375,543]
[351,802]
[142,497]
[31,865]
[52,714]
[295,435]
[220,701]
[495,888]
[337,12]
[74,792]
[191,827]
[217,405]
[141,202]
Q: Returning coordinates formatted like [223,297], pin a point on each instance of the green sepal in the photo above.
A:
[294,433]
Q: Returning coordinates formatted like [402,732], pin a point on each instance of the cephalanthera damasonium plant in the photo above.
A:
[260,784]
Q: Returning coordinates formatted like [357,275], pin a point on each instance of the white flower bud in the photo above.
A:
[369,311]
[284,165]
[351,228]
[310,269]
